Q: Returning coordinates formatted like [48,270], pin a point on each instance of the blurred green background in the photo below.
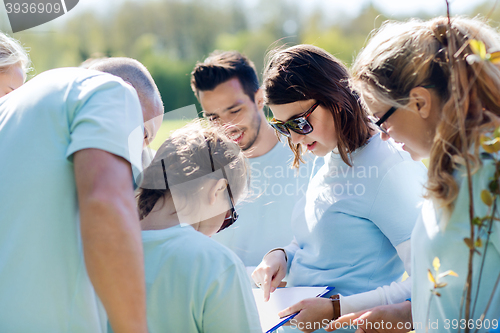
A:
[170,36]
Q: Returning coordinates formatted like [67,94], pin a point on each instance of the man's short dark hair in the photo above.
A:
[220,67]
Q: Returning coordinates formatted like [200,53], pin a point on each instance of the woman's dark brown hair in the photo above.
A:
[305,72]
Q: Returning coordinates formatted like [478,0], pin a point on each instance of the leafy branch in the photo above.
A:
[437,284]
[479,226]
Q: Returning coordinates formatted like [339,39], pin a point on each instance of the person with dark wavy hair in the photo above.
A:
[352,229]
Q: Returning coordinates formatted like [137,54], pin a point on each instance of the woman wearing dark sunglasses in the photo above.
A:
[353,226]
[194,284]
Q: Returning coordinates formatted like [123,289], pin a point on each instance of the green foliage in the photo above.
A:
[166,128]
[252,44]
[172,78]
[336,42]
[436,277]
[170,36]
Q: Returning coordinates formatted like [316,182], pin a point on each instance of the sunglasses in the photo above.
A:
[378,122]
[298,124]
[231,215]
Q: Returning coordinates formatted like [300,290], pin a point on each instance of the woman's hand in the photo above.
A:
[270,272]
[315,313]
[393,318]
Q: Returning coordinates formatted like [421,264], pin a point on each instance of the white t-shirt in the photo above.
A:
[264,217]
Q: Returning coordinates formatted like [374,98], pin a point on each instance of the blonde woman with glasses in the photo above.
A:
[435,87]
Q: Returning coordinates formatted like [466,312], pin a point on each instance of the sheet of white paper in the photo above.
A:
[279,300]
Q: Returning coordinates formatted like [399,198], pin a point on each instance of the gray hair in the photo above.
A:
[131,71]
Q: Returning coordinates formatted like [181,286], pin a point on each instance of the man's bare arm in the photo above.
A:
[111,237]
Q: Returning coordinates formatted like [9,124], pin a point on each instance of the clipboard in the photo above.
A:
[281,299]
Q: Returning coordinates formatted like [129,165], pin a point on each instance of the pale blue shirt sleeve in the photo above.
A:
[230,306]
[407,180]
[105,114]
[290,251]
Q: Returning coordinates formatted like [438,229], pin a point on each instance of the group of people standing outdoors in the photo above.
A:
[84,251]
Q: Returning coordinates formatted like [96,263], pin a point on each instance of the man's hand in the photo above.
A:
[111,237]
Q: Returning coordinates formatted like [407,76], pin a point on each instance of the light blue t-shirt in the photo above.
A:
[264,217]
[195,284]
[45,286]
[351,219]
[429,241]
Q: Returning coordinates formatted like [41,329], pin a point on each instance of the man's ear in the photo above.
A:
[421,101]
[217,189]
[259,98]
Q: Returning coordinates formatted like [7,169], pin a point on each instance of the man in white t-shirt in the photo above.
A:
[70,246]
[227,88]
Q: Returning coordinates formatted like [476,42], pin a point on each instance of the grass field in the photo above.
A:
[167,127]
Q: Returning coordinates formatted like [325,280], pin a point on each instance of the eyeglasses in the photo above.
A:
[231,215]
[378,122]
[299,124]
